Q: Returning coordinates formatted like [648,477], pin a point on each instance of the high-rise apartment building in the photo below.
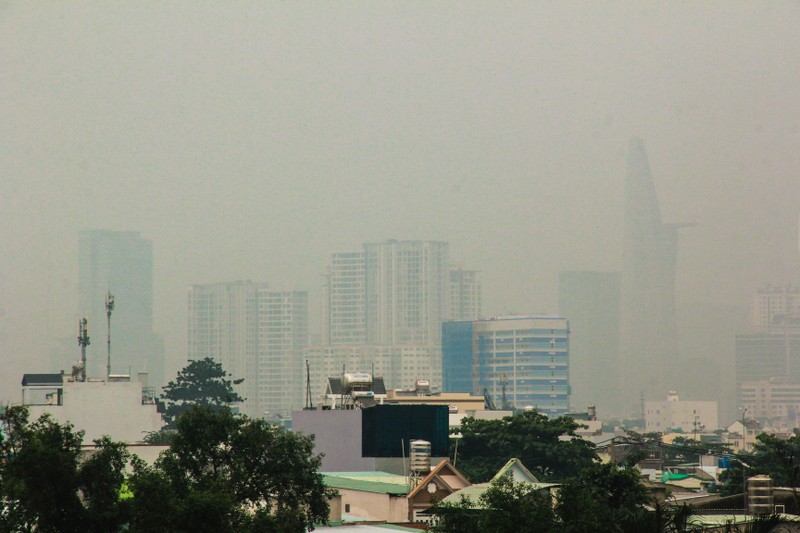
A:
[223,325]
[120,262]
[770,351]
[771,306]
[346,303]
[648,326]
[282,339]
[591,300]
[520,361]
[465,294]
[407,291]
[384,308]
[256,333]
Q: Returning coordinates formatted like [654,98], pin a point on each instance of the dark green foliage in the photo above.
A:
[772,456]
[222,473]
[227,473]
[486,445]
[603,498]
[101,477]
[201,383]
[45,489]
[159,438]
[504,507]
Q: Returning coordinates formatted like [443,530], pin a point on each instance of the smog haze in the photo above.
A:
[249,140]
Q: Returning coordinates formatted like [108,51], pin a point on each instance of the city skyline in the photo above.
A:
[250,141]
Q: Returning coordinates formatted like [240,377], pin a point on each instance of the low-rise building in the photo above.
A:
[375,438]
[116,406]
[442,481]
[674,414]
[372,496]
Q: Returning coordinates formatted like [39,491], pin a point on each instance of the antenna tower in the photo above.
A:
[109,309]
[83,342]
[309,404]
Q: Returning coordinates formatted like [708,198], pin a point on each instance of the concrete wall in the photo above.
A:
[100,408]
[337,435]
[374,505]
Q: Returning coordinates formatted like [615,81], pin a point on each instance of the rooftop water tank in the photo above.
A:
[760,495]
[420,457]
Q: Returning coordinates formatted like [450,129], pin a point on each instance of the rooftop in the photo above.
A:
[377,482]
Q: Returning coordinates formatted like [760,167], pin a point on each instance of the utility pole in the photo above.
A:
[83,342]
[109,308]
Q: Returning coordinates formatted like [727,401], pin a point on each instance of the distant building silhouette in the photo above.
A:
[120,262]
[346,318]
[465,294]
[407,291]
[256,333]
[648,336]
[223,325]
[591,301]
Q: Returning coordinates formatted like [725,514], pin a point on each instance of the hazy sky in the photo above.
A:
[248,140]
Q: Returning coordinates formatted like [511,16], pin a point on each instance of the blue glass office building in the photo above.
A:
[457,356]
[521,361]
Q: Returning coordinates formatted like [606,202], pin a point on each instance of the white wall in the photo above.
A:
[100,408]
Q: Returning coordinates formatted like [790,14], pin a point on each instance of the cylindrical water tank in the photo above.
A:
[420,456]
[356,381]
[760,495]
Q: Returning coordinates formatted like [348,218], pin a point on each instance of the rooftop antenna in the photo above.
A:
[83,342]
[109,309]
[309,404]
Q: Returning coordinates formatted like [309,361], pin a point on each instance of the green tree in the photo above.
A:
[203,382]
[603,498]
[505,507]
[229,473]
[101,477]
[772,456]
[486,445]
[44,487]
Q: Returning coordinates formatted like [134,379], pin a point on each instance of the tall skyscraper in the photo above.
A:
[407,291]
[282,339]
[648,322]
[591,301]
[120,262]
[520,361]
[256,333]
[223,325]
[384,310]
[346,303]
[465,294]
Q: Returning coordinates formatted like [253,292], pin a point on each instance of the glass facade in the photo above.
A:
[457,354]
[524,362]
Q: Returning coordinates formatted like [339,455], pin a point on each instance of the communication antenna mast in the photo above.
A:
[309,404]
[83,342]
[109,309]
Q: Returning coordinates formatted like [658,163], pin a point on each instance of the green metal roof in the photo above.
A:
[377,482]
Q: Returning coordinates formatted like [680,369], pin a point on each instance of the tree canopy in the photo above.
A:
[486,445]
[221,473]
[772,456]
[601,498]
[229,473]
[41,478]
[203,382]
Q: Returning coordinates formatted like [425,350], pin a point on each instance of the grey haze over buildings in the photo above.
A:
[251,140]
